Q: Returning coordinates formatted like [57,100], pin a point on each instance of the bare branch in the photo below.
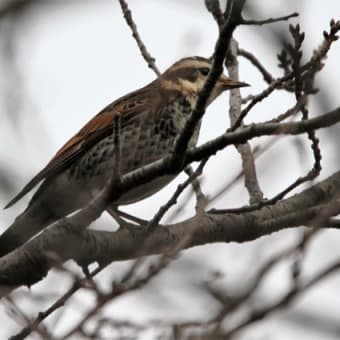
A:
[173,200]
[268,78]
[201,200]
[292,111]
[248,132]
[101,246]
[300,86]
[270,20]
[129,20]
[117,290]
[219,55]
[213,6]
[248,163]
[307,71]
[260,313]
[314,207]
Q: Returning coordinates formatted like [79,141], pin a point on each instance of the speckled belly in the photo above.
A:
[142,142]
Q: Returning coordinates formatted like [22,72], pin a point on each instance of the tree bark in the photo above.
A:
[31,262]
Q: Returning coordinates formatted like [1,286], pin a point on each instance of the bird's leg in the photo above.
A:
[122,218]
[122,223]
[132,218]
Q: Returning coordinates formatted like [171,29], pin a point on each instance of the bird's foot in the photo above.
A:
[127,221]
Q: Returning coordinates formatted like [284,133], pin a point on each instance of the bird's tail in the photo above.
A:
[25,226]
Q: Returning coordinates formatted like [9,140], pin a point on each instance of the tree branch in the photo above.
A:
[129,20]
[248,162]
[31,262]
[267,77]
[222,44]
[270,20]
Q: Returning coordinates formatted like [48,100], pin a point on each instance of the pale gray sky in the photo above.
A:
[79,57]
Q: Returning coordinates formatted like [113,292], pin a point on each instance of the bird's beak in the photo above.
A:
[231,84]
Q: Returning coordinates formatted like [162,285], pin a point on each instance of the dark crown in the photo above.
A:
[194,58]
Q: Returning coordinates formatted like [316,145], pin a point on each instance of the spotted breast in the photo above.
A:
[144,140]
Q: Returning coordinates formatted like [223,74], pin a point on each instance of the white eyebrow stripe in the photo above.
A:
[190,63]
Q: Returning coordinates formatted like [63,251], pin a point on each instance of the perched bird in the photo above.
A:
[151,119]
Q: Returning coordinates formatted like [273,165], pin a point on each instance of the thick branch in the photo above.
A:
[31,262]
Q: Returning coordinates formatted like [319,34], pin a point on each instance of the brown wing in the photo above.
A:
[99,127]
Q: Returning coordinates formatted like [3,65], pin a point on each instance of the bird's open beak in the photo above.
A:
[231,84]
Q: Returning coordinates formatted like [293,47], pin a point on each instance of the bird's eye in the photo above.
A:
[204,71]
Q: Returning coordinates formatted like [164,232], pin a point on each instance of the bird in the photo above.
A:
[151,118]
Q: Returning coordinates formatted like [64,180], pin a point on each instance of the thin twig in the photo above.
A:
[201,200]
[172,201]
[259,149]
[258,98]
[270,20]
[22,318]
[295,291]
[32,326]
[248,162]
[257,152]
[308,70]
[292,111]
[129,20]
[296,55]
[261,275]
[118,290]
[268,78]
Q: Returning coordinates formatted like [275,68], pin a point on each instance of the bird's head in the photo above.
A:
[188,76]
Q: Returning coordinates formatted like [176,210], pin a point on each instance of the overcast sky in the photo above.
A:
[75,58]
